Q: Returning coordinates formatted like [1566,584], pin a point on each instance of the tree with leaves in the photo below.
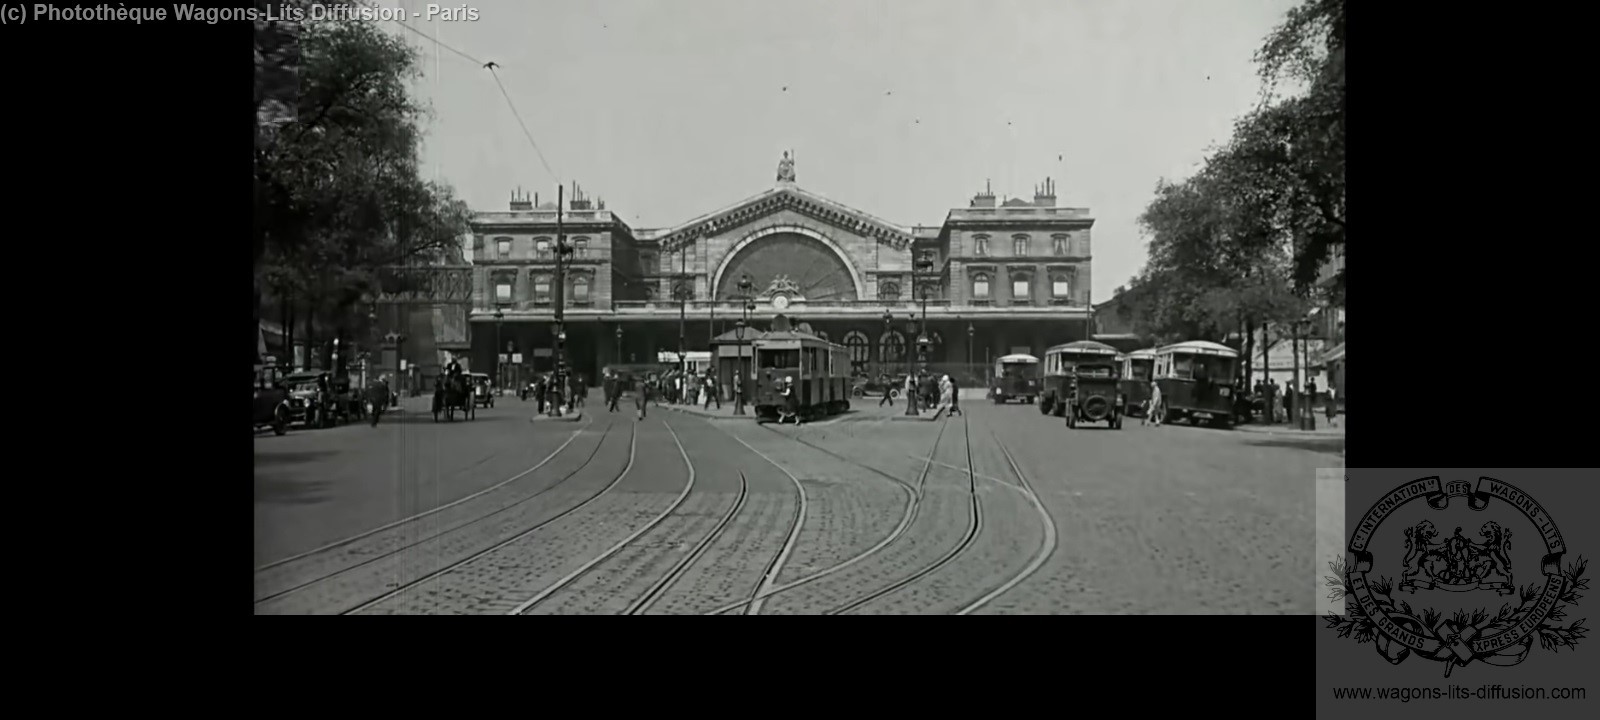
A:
[339,195]
[1241,243]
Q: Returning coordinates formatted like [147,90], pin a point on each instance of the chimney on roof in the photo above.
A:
[600,204]
[984,199]
[520,201]
[1045,194]
[579,200]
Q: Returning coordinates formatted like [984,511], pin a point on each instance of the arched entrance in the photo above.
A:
[822,272]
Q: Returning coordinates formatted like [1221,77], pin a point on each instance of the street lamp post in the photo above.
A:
[553,407]
[970,333]
[745,287]
[883,365]
[499,372]
[619,344]
[683,317]
[1306,419]
[396,339]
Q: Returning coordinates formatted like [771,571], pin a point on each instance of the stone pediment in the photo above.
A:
[804,203]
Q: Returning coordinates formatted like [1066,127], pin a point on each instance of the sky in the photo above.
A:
[670,109]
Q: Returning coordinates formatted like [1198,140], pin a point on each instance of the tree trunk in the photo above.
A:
[1249,352]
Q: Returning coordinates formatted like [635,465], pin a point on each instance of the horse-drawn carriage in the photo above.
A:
[452,393]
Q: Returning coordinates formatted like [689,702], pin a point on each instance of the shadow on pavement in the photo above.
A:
[1328,445]
[290,492]
[293,458]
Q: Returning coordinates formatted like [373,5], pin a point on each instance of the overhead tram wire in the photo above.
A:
[490,66]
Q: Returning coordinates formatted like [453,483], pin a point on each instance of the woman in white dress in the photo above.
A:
[946,393]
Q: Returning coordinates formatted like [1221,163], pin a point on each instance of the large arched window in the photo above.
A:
[980,286]
[888,290]
[1060,286]
[860,351]
[1021,287]
[504,283]
[980,244]
[580,290]
[1019,245]
[892,347]
[541,289]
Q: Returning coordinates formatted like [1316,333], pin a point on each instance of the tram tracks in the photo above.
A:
[974,526]
[969,538]
[913,506]
[266,600]
[672,575]
[457,565]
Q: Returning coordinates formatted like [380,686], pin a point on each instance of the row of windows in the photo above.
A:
[892,347]
[1021,287]
[544,248]
[1022,245]
[541,290]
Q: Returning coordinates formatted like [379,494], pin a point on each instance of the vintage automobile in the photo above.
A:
[312,408]
[482,390]
[865,386]
[271,401]
[1016,377]
[1058,379]
[1094,396]
[1196,380]
[1135,381]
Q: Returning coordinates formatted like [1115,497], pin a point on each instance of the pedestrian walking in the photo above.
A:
[911,387]
[612,390]
[1157,409]
[641,396]
[1333,408]
[709,390]
[888,390]
[955,396]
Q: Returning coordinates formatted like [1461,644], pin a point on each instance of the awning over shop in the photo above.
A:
[1332,355]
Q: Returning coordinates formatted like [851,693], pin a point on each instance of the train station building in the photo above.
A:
[1000,278]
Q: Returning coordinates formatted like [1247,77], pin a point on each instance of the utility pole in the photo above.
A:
[683,308]
[561,299]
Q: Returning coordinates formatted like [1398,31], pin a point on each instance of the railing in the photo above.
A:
[763,306]
[734,307]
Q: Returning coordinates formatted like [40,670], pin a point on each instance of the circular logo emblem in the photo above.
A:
[780,302]
[1456,562]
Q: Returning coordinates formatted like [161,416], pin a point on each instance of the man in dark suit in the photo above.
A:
[612,390]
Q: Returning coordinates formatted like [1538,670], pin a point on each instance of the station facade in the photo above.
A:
[1002,277]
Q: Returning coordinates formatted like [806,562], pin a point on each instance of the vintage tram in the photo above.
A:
[1135,381]
[1016,377]
[1196,380]
[819,370]
[1059,362]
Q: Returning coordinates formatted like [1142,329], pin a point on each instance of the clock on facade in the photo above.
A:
[780,302]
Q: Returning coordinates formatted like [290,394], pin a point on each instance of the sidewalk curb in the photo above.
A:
[938,413]
[708,416]
[1288,432]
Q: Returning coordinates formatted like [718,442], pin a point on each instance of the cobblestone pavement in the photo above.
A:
[680,514]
